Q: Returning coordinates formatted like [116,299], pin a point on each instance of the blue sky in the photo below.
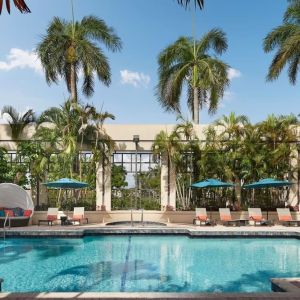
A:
[146,27]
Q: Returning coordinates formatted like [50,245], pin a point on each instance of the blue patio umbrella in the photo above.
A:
[211,183]
[66,183]
[268,183]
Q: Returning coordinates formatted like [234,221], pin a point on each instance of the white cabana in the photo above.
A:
[12,195]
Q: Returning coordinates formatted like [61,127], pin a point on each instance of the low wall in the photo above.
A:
[155,216]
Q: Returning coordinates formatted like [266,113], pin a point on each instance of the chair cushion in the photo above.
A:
[202,218]
[18,211]
[51,217]
[285,218]
[27,213]
[225,218]
[256,218]
[77,217]
[9,212]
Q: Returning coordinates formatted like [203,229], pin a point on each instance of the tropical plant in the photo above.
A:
[118,177]
[71,47]
[19,4]
[187,62]
[17,121]
[285,38]
[73,127]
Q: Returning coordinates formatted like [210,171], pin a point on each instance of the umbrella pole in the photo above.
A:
[58,198]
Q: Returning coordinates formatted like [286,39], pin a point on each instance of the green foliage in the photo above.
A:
[285,39]
[118,177]
[17,121]
[189,63]
[69,47]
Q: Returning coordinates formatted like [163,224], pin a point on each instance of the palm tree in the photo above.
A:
[71,47]
[187,62]
[19,4]
[185,3]
[17,121]
[285,38]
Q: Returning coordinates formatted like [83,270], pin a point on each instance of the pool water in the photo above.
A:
[146,263]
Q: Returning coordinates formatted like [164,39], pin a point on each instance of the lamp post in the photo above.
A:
[136,139]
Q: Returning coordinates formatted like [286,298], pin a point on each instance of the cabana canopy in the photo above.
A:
[12,195]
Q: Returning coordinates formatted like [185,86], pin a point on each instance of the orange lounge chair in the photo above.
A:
[226,219]
[285,217]
[202,218]
[256,216]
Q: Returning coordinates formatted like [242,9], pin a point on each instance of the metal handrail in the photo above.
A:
[4,225]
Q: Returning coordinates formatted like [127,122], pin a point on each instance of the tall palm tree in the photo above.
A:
[185,3]
[188,62]
[17,121]
[285,39]
[71,47]
[19,4]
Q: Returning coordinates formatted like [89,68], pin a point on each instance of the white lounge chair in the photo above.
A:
[78,215]
[256,216]
[201,217]
[285,217]
[52,215]
[226,219]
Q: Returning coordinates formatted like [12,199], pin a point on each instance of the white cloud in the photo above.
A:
[134,78]
[233,73]
[21,59]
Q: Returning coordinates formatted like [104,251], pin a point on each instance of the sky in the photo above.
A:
[146,28]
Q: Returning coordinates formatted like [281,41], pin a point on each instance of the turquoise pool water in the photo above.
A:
[146,263]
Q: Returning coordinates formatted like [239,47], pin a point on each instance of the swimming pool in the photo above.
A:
[146,263]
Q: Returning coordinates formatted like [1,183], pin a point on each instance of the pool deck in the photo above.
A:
[286,288]
[170,229]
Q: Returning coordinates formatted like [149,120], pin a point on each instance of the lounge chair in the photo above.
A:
[52,214]
[285,217]
[78,215]
[226,219]
[256,216]
[202,218]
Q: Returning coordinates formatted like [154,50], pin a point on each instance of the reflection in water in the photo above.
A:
[147,263]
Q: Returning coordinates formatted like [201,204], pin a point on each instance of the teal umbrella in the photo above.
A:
[211,183]
[66,183]
[267,182]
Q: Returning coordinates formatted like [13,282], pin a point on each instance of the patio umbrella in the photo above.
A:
[211,183]
[66,184]
[267,183]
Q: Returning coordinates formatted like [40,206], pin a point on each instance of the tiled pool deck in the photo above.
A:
[287,288]
[172,229]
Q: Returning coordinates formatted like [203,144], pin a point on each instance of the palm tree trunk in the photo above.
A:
[73,84]
[196,106]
